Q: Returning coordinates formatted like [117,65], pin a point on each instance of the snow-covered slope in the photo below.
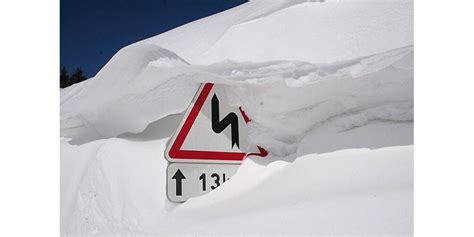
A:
[122,97]
[314,77]
[285,99]
[310,31]
[115,186]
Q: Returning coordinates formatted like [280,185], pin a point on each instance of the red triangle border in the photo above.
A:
[175,151]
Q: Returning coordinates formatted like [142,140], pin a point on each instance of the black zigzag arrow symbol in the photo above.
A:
[219,125]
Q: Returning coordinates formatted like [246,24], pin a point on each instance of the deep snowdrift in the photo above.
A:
[311,31]
[285,99]
[314,78]
[367,76]
[115,186]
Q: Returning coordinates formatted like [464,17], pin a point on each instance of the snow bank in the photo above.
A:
[311,31]
[371,78]
[112,186]
[116,186]
[136,87]
[285,99]
[193,40]
[313,77]
[323,32]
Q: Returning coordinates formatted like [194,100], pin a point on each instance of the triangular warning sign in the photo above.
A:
[212,131]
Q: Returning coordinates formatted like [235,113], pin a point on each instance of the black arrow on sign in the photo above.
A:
[179,178]
[219,125]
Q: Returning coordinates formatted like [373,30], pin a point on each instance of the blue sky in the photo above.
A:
[93,31]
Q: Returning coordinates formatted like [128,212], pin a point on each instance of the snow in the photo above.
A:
[296,98]
[329,89]
[373,135]
[284,98]
[312,26]
[310,31]
[116,186]
[123,96]
[335,193]
[191,41]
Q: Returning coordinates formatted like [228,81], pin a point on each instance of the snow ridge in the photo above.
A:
[328,86]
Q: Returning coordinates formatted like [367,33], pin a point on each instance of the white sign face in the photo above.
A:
[187,180]
[212,131]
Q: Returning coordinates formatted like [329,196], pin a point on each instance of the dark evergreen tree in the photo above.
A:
[77,76]
[64,78]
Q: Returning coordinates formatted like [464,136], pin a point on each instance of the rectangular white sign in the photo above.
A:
[187,180]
